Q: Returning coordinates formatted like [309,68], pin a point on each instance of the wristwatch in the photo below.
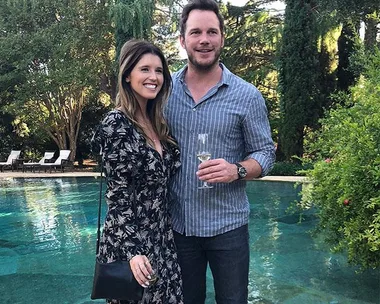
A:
[241,171]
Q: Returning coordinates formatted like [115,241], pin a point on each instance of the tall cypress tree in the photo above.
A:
[347,46]
[298,74]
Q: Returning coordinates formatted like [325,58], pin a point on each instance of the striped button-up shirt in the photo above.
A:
[234,115]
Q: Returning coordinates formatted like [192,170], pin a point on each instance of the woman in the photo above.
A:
[139,158]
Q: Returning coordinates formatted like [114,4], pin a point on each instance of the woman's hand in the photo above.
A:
[142,269]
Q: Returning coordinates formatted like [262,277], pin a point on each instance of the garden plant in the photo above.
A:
[345,179]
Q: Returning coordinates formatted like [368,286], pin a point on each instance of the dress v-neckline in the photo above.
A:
[154,148]
[161,156]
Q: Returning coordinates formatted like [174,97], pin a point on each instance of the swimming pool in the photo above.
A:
[48,232]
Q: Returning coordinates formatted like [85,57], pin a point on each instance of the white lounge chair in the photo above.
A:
[32,166]
[61,162]
[11,161]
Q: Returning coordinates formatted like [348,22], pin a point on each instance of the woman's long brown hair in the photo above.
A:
[126,101]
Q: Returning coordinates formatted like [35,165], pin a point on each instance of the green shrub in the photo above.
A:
[288,169]
[345,179]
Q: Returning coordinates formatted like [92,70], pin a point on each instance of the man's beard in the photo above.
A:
[202,66]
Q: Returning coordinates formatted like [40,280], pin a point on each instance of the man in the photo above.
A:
[211,225]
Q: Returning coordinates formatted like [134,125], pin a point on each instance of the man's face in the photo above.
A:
[203,40]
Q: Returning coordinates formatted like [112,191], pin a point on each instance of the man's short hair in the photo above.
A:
[203,5]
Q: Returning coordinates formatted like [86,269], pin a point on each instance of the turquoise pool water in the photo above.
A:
[47,244]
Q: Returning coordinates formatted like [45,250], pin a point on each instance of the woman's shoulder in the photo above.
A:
[115,115]
[117,121]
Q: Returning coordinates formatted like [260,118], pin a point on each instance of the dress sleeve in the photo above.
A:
[175,162]
[97,141]
[132,240]
[117,140]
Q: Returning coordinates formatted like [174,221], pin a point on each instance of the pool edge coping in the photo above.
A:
[16,174]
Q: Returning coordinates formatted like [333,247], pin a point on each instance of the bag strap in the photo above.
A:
[100,204]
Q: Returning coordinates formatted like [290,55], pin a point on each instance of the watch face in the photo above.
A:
[242,172]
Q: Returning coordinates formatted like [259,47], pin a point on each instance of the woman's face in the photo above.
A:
[147,77]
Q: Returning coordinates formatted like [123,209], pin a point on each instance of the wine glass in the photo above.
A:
[154,276]
[203,153]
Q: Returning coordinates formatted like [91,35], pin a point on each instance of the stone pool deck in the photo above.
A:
[17,174]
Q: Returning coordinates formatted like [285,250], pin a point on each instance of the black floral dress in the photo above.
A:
[137,172]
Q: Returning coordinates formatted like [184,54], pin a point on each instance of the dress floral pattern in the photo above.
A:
[137,172]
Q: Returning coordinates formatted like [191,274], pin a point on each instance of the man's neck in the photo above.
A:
[209,77]
[199,82]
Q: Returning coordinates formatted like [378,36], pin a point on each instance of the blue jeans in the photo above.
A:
[228,256]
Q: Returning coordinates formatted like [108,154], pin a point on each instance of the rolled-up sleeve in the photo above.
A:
[257,133]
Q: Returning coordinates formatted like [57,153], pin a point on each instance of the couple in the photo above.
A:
[143,162]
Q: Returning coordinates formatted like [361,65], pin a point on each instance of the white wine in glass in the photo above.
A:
[204,157]
[203,153]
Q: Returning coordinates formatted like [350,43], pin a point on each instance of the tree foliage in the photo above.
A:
[306,83]
[298,77]
[58,61]
[348,46]
[54,55]
[165,33]
[350,16]
[251,38]
[132,19]
[346,176]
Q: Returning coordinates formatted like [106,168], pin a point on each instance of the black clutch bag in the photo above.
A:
[113,280]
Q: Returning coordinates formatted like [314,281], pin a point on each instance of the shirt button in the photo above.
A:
[194,109]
